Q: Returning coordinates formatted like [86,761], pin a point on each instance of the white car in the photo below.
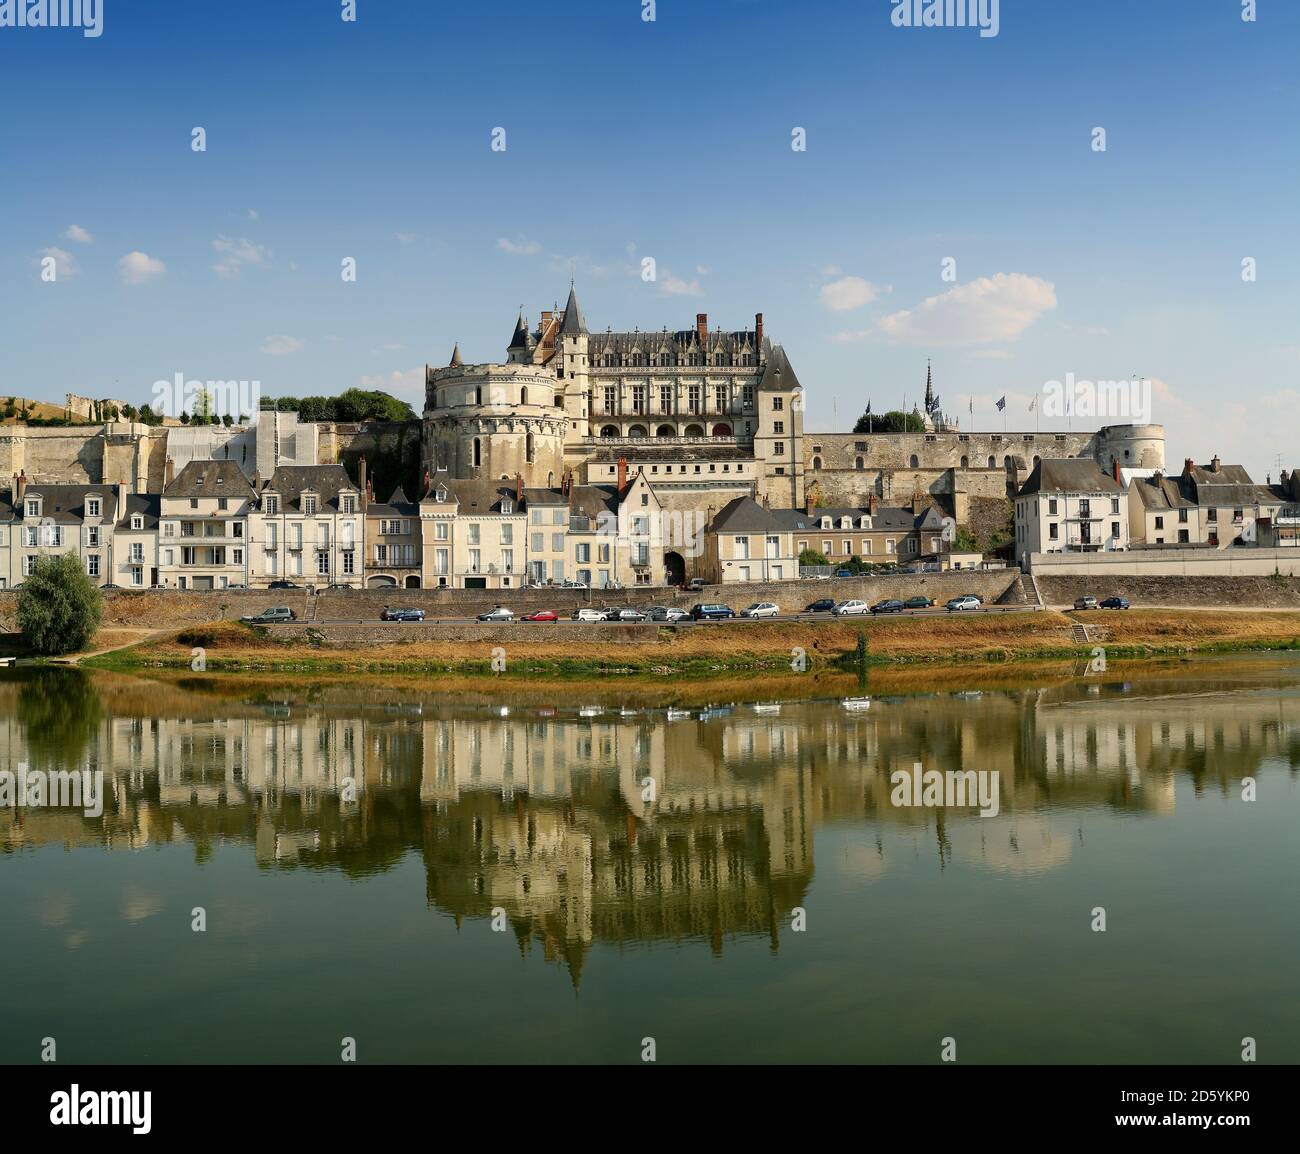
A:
[761,609]
[669,614]
[957,604]
[590,615]
[851,608]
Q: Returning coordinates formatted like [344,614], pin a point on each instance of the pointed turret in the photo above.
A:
[520,339]
[929,389]
[574,325]
[456,362]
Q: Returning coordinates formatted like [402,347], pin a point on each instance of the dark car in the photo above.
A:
[407,615]
[824,605]
[891,605]
[1115,603]
[626,615]
[283,585]
[843,572]
[712,612]
[918,603]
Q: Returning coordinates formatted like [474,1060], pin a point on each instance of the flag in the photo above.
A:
[1033,403]
[972,404]
[1002,403]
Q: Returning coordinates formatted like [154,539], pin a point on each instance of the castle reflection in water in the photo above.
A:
[542,812]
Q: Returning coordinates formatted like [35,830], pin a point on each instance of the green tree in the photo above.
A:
[227,420]
[812,557]
[59,607]
[892,422]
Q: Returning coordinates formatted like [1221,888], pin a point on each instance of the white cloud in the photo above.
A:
[406,237]
[850,292]
[79,234]
[252,214]
[674,286]
[236,254]
[281,345]
[520,246]
[985,311]
[140,267]
[65,264]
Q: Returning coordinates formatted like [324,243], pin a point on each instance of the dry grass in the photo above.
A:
[717,651]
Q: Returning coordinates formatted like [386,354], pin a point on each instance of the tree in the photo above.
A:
[227,420]
[185,417]
[892,422]
[59,607]
[812,557]
[148,416]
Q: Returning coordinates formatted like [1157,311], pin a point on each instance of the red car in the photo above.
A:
[542,615]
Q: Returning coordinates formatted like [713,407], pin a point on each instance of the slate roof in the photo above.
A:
[211,479]
[148,505]
[396,506]
[481,498]
[574,325]
[1069,475]
[289,482]
[591,501]
[778,373]
[66,504]
[746,515]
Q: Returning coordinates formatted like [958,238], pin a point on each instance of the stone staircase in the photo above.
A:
[1022,591]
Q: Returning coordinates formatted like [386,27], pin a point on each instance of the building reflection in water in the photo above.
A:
[588,825]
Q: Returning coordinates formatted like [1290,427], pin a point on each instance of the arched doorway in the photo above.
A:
[609,431]
[665,431]
[695,430]
[382,581]
[722,430]
[637,431]
[412,582]
[675,568]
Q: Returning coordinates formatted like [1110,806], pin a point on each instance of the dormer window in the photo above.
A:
[271,505]
[137,522]
[348,503]
[846,522]
[507,506]
[865,523]
[33,508]
[826,522]
[309,504]
[92,507]
[440,494]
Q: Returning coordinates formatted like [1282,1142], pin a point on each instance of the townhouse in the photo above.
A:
[306,525]
[747,541]
[1070,506]
[105,526]
[473,534]
[1214,506]
[202,522]
[394,544]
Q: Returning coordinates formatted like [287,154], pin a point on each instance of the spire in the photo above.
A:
[574,325]
[929,388]
[520,339]
[456,362]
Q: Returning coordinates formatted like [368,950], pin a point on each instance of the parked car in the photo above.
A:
[625,614]
[391,614]
[668,613]
[851,608]
[822,605]
[407,615]
[890,605]
[918,602]
[269,616]
[1085,602]
[573,585]
[283,585]
[761,609]
[1116,603]
[589,615]
[844,573]
[696,583]
[500,613]
[541,615]
[712,612]
[968,601]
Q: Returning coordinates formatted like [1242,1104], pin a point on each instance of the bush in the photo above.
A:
[812,557]
[59,607]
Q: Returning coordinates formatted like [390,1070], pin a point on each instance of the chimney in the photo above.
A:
[1114,471]
[1215,464]
[1188,465]
[121,499]
[767,501]
[918,501]
[873,504]
[622,474]
[519,488]
[20,485]
[361,473]
[170,473]
[702,327]
[758,331]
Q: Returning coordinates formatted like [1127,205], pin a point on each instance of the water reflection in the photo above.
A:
[589,823]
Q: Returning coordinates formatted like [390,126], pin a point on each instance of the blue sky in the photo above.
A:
[671,140]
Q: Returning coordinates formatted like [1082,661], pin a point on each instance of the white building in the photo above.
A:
[1070,506]
[307,526]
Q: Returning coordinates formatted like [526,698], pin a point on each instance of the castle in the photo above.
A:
[706,415]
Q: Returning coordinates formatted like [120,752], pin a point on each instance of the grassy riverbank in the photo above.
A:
[713,651]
